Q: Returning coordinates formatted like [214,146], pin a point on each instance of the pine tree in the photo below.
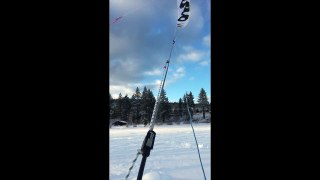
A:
[203,101]
[180,107]
[126,104]
[191,103]
[110,104]
[151,100]
[136,106]
[119,107]
[144,104]
[191,100]
[147,104]
[111,109]
[184,107]
[164,107]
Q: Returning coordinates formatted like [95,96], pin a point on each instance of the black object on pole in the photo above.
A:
[146,147]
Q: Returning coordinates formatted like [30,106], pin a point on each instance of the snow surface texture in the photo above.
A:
[174,155]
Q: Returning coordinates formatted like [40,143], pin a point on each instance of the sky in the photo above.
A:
[140,44]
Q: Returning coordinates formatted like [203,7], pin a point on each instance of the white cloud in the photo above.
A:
[207,40]
[187,48]
[116,89]
[157,82]
[180,72]
[124,71]
[118,44]
[125,7]
[121,4]
[196,21]
[190,54]
[154,86]
[193,56]
[155,72]
[135,85]
[204,63]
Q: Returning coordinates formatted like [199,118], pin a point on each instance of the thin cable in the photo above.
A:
[155,110]
[127,176]
[173,42]
[196,140]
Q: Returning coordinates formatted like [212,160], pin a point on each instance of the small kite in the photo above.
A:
[117,19]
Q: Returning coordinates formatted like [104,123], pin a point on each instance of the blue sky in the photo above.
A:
[140,44]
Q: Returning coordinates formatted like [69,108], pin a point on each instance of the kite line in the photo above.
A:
[190,119]
[183,7]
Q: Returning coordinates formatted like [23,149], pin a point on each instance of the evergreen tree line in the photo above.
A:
[139,108]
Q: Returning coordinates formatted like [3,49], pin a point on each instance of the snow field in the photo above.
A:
[174,155]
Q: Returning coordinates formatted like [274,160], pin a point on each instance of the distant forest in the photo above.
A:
[139,108]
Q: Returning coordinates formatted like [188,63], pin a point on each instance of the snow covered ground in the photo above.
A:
[174,155]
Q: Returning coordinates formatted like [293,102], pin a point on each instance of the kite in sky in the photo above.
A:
[183,7]
[183,12]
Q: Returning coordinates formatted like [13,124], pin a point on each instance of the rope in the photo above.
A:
[127,176]
[155,110]
[196,140]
